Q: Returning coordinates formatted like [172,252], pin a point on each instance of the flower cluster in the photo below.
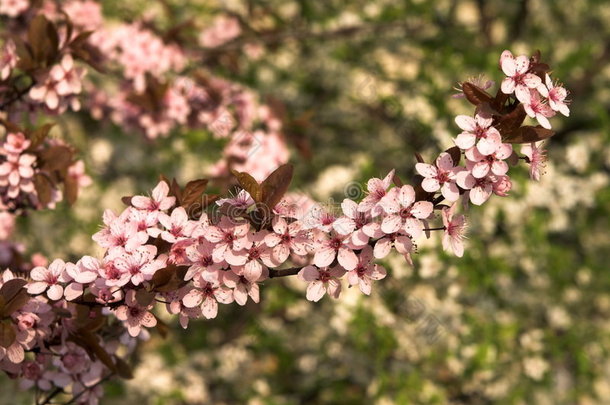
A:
[63,325]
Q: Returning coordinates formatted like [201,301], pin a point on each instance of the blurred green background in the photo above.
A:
[523,318]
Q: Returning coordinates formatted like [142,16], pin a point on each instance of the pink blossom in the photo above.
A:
[207,294]
[140,264]
[86,14]
[77,172]
[536,157]
[48,279]
[16,143]
[502,185]
[8,59]
[477,131]
[455,227]
[440,176]
[321,281]
[201,258]
[366,271]
[134,315]
[518,80]
[85,271]
[556,95]
[399,240]
[536,108]
[228,235]
[7,225]
[377,191]
[222,30]
[243,200]
[119,232]
[249,261]
[481,165]
[13,8]
[159,201]
[404,213]
[241,286]
[287,238]
[17,173]
[338,246]
[354,223]
[177,225]
[480,188]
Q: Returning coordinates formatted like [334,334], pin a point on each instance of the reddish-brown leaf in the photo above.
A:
[475,94]
[529,134]
[44,188]
[7,333]
[249,184]
[275,186]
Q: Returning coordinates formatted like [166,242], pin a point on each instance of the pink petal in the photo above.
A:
[426,170]
[465,123]
[324,256]
[347,258]
[315,291]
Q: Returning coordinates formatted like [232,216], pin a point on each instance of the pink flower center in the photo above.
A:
[335,243]
[324,276]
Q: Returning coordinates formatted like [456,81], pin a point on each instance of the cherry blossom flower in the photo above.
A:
[518,80]
[455,227]
[48,279]
[16,143]
[222,30]
[321,281]
[501,185]
[404,213]
[201,258]
[228,235]
[8,59]
[17,173]
[287,238]
[134,315]
[377,191]
[207,293]
[241,286]
[243,200]
[440,176]
[119,232]
[481,165]
[366,271]
[477,131]
[13,8]
[247,262]
[319,218]
[338,246]
[480,188]
[77,172]
[536,157]
[399,240]
[354,223]
[536,108]
[177,226]
[85,271]
[556,95]
[159,201]
[140,264]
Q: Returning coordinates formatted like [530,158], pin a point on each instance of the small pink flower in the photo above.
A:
[518,80]
[241,286]
[77,172]
[84,272]
[481,165]
[536,108]
[207,293]
[366,271]
[16,143]
[321,281]
[135,315]
[8,59]
[251,261]
[141,263]
[556,94]
[536,156]
[202,260]
[159,200]
[287,238]
[177,225]
[17,173]
[477,131]
[440,176]
[243,200]
[49,279]
[501,185]
[398,240]
[119,232]
[377,191]
[13,8]
[480,188]
[228,235]
[404,213]
[354,223]
[338,246]
[455,227]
